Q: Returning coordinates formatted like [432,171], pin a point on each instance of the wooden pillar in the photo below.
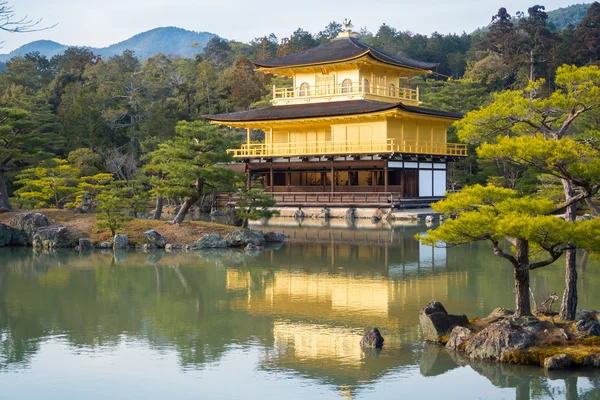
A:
[385,178]
[248,136]
[374,180]
[332,179]
[288,180]
[271,179]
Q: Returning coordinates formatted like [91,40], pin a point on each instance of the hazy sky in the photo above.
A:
[100,23]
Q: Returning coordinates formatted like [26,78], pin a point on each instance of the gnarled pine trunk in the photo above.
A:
[568,308]
[3,192]
[199,186]
[185,207]
[521,273]
[159,206]
[522,299]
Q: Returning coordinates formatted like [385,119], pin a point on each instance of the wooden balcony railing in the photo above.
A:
[347,147]
[325,198]
[391,91]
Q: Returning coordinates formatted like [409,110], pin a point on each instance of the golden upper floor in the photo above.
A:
[345,69]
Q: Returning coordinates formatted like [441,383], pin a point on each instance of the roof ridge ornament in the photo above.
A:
[347,25]
[346,30]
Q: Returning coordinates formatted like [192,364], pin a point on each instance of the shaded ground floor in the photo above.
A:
[346,182]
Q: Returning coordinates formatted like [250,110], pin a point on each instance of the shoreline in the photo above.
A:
[521,340]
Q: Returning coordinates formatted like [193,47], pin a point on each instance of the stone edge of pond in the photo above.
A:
[31,229]
[506,338]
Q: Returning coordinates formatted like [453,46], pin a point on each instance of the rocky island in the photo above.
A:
[526,340]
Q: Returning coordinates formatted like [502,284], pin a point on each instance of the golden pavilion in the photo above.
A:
[348,131]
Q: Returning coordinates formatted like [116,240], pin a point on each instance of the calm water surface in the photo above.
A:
[285,323]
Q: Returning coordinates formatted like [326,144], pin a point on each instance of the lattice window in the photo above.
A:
[347,86]
[304,89]
[324,84]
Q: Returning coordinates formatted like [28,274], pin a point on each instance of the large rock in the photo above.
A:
[25,225]
[372,339]
[6,235]
[502,337]
[211,241]
[275,237]
[560,361]
[217,213]
[436,322]
[156,238]
[592,361]
[591,328]
[498,314]
[243,237]
[458,337]
[586,315]
[121,241]
[86,245]
[53,237]
[230,218]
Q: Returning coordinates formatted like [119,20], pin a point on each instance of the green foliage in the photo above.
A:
[254,204]
[86,160]
[54,183]
[562,17]
[460,95]
[193,155]
[493,213]
[114,206]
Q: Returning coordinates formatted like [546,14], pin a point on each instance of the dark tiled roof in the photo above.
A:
[342,49]
[315,110]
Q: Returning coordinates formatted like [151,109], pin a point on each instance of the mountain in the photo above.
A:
[168,40]
[562,17]
[45,47]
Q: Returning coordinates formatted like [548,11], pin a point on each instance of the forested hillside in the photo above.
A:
[571,15]
[84,115]
[168,40]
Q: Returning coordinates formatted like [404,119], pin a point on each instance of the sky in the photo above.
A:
[100,23]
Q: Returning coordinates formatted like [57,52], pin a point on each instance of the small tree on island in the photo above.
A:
[253,205]
[114,206]
[494,214]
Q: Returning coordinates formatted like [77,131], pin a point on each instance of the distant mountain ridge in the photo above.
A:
[167,40]
[177,41]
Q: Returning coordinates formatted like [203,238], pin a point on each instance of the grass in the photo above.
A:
[84,226]
[577,350]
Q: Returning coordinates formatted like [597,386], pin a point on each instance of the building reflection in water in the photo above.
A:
[307,304]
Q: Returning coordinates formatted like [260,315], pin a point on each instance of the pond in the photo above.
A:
[284,323]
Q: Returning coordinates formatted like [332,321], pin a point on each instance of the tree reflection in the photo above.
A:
[305,305]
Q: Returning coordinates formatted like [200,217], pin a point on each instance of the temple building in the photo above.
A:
[348,131]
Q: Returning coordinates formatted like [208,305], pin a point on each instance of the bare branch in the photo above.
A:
[10,23]
[498,252]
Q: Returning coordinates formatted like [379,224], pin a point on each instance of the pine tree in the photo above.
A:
[20,146]
[546,123]
[192,163]
[494,214]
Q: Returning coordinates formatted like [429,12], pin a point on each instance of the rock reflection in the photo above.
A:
[529,382]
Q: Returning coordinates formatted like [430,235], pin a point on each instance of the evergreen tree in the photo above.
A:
[550,118]
[20,146]
[192,163]
[493,214]
[587,35]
